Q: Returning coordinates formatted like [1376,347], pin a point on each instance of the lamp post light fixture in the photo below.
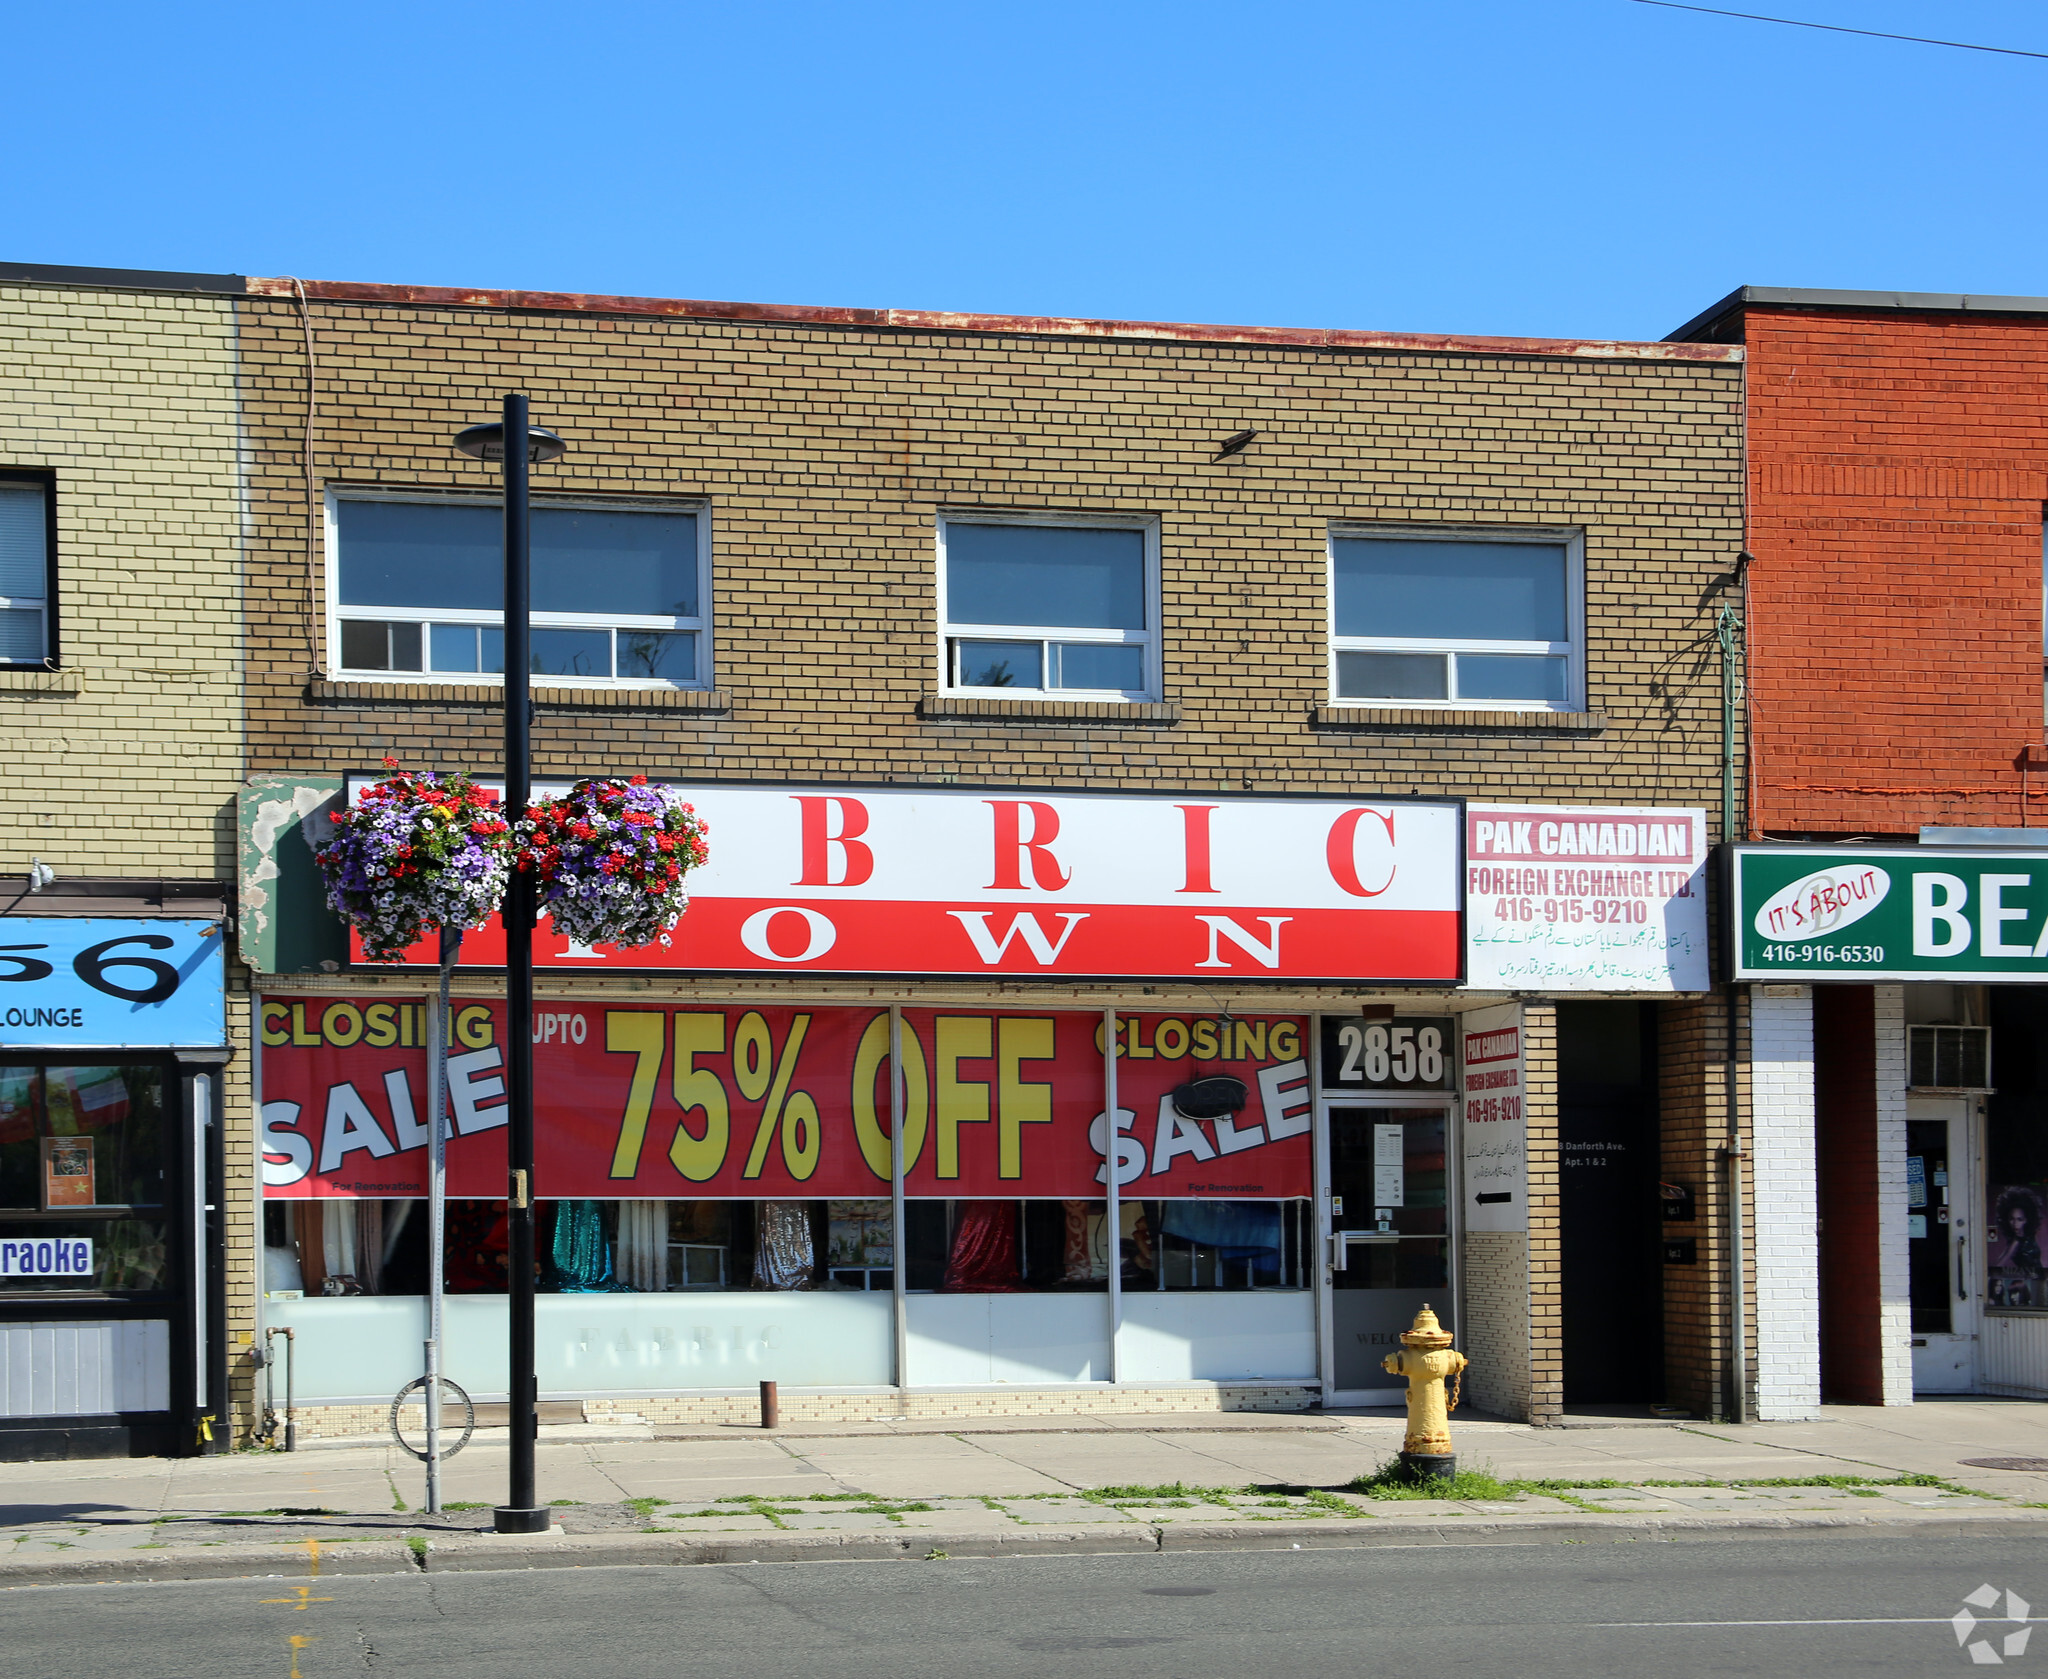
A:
[522,1511]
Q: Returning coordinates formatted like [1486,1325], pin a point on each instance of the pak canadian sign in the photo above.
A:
[934,881]
[1911,912]
[652,1102]
[1570,898]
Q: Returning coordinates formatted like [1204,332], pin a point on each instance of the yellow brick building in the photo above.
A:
[121,710]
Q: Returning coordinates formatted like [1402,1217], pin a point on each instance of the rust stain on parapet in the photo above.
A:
[1039,326]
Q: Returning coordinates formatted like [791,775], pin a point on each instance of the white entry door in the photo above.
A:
[1945,1264]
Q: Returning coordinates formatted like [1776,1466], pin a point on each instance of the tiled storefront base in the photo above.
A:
[333,1422]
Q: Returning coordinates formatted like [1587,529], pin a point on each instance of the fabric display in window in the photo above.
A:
[1235,1229]
[1085,1258]
[340,1252]
[983,1259]
[477,1244]
[709,1222]
[582,1255]
[643,1245]
[785,1256]
[857,1234]
[307,1218]
[1086,1250]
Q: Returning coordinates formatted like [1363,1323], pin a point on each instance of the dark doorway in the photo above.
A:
[1612,1236]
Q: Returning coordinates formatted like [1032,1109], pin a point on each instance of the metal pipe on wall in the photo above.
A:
[899,1305]
[1114,1219]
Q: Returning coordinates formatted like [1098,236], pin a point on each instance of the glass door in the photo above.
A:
[1389,1240]
[1942,1264]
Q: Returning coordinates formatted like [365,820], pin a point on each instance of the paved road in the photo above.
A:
[1810,1607]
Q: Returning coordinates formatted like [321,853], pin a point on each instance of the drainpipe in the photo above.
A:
[1728,632]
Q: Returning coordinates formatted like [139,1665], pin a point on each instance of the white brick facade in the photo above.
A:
[1785,1179]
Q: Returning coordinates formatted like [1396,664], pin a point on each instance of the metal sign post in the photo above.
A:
[437,1204]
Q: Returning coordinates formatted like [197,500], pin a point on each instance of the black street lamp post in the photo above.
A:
[522,1512]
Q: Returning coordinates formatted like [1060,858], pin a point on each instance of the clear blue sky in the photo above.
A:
[1556,167]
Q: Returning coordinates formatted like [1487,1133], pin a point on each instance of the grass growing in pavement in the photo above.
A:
[1391,1481]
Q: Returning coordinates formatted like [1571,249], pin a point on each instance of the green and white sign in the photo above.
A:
[1863,912]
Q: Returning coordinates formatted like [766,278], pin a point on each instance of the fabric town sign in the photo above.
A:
[946,881]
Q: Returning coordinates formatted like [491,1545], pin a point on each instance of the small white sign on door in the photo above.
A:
[1389,1180]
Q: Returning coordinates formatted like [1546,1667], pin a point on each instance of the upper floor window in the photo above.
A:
[27,630]
[1050,607]
[618,592]
[1457,619]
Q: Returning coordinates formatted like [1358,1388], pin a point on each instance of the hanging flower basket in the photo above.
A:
[417,852]
[609,860]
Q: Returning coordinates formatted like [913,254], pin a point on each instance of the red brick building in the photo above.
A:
[1898,465]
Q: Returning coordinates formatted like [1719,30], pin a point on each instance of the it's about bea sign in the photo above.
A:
[1861,912]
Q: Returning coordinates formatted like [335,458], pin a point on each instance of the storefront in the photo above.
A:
[1906,984]
[1309,1115]
[112,1049]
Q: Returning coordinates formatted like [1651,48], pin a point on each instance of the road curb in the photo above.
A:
[301,1564]
[292,1565]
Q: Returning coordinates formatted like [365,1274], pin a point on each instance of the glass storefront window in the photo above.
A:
[82,1151]
[347,1247]
[81,1137]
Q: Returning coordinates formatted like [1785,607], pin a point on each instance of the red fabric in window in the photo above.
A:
[984,1256]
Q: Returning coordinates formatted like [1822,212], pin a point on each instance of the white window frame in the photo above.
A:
[1572,651]
[38,604]
[701,625]
[1149,639]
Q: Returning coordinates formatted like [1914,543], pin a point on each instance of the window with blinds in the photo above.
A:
[24,572]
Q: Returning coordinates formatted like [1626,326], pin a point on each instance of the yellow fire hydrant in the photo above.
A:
[1427,1360]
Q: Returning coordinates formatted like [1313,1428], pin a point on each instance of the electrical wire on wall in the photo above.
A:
[313,510]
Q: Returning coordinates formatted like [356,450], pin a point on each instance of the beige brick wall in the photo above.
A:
[826,453]
[130,769]
[125,763]
[1496,1338]
[1546,1252]
[1692,1060]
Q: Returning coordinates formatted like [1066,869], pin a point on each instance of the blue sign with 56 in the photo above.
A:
[99,983]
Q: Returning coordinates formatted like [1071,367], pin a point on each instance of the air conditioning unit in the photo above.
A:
[1948,1057]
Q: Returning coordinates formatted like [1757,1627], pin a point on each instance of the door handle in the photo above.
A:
[1962,1269]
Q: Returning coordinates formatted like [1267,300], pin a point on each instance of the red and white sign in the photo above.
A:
[653,1101]
[929,881]
[1568,898]
[1496,1155]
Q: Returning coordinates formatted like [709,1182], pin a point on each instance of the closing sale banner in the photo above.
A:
[1911,912]
[935,881]
[654,1102]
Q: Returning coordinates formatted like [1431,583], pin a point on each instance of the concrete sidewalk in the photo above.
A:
[910,1489]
